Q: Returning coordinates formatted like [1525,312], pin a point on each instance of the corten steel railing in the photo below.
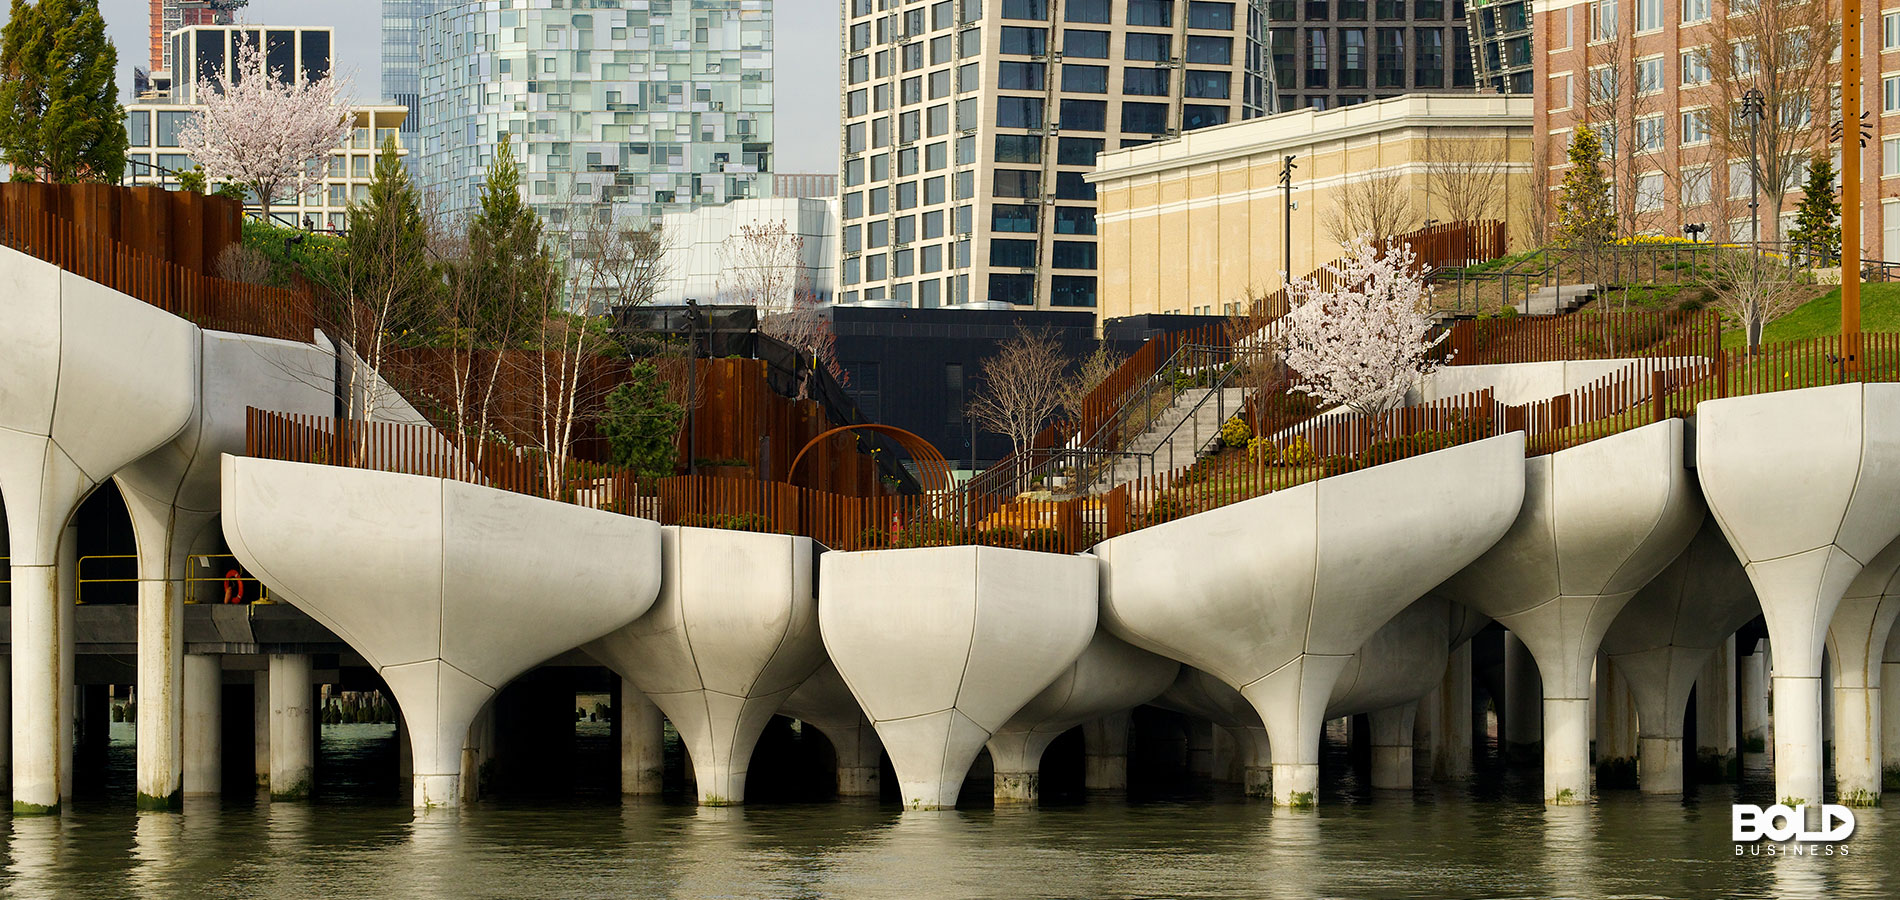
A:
[212,303]
[1646,391]
[1584,336]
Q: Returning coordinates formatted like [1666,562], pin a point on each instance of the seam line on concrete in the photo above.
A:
[791,614]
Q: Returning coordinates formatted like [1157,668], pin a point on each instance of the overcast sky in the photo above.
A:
[806,42]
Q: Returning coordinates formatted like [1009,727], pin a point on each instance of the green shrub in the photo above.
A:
[1235,433]
[1297,452]
[1263,451]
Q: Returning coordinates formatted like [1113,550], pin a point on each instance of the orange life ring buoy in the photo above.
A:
[233,587]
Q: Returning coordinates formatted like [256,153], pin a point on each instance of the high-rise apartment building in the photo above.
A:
[621,109]
[969,125]
[210,53]
[170,15]
[1331,53]
[1501,46]
[403,22]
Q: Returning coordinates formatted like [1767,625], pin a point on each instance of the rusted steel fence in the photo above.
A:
[212,303]
[1584,335]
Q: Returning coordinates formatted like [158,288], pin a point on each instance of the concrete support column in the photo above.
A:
[1716,758]
[42,726]
[478,747]
[405,751]
[6,724]
[1754,706]
[1105,752]
[1016,766]
[1566,750]
[1797,733]
[1523,692]
[161,662]
[1257,759]
[1890,713]
[260,726]
[201,725]
[1617,728]
[1452,724]
[642,752]
[292,731]
[1857,731]
[1392,746]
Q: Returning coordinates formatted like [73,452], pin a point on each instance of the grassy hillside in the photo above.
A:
[1879,311]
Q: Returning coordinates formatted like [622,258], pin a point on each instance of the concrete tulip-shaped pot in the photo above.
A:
[449,590]
[942,645]
[734,632]
[1599,521]
[1802,483]
[90,381]
[825,703]
[1664,638]
[1109,676]
[1274,595]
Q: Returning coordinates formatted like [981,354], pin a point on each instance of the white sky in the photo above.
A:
[806,78]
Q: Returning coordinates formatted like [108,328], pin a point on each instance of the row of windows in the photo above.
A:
[901,230]
[1140,13]
[1355,10]
[1204,49]
[1138,82]
[1021,254]
[907,194]
[1011,218]
[1027,184]
[1343,60]
[1064,290]
[905,263]
[1092,115]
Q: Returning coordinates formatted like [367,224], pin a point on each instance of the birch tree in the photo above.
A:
[1363,342]
[1022,388]
[272,135]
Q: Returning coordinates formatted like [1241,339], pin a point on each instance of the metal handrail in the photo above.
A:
[80,580]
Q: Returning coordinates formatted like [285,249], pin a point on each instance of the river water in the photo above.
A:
[1489,839]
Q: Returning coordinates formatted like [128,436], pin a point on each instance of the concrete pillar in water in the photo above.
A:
[1856,647]
[1523,699]
[1452,724]
[1392,746]
[260,725]
[1616,743]
[1716,759]
[825,703]
[6,723]
[1890,712]
[1105,752]
[202,725]
[478,747]
[1754,688]
[1109,675]
[292,732]
[69,595]
[405,752]
[642,756]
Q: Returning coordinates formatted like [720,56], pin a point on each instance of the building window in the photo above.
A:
[1071,186]
[1084,115]
[1016,183]
[1014,218]
[1208,50]
[1019,112]
[1602,20]
[1209,15]
[1073,151]
[1695,11]
[1605,84]
[1391,61]
[1889,98]
[1074,220]
[1695,126]
[1207,85]
[1649,75]
[1072,290]
[1695,186]
[1151,13]
[1649,192]
[1025,41]
[1094,12]
[1084,79]
[1151,47]
[1317,65]
[1890,31]
[1139,82]
[1695,67]
[1194,115]
[169,122]
[1429,67]
[1084,44]
[1019,148]
[1352,57]
[1648,134]
[1015,289]
[1026,9]
[1740,180]
[1073,255]
[1019,76]
[1145,118]
[1890,157]
[1649,15]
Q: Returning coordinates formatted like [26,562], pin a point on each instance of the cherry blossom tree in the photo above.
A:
[1357,335]
[270,134]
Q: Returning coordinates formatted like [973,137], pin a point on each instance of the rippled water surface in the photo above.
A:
[1440,842]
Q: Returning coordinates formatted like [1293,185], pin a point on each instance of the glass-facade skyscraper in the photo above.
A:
[402,53]
[617,108]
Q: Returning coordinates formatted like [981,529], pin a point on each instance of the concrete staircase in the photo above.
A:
[1176,451]
[1562,298]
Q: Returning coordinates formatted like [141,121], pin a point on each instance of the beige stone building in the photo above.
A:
[1192,224]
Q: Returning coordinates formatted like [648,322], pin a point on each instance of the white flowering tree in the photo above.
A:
[1357,334]
[272,135]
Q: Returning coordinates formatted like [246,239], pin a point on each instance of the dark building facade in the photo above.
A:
[1331,53]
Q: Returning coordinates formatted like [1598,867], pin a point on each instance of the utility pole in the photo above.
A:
[1286,189]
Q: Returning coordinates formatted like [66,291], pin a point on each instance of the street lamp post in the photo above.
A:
[1752,106]
[1286,192]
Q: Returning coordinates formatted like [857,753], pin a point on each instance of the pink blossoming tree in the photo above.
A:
[268,134]
[1357,334]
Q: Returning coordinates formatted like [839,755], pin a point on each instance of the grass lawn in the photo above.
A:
[1879,311]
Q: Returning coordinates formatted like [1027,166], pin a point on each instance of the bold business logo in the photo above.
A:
[1780,823]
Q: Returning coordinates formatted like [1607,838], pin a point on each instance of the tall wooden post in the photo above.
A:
[1850,183]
